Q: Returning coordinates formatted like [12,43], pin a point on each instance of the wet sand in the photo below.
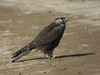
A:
[78,52]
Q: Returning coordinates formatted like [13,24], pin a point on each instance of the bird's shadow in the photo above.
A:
[62,56]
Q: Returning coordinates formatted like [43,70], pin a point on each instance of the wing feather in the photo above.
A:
[47,35]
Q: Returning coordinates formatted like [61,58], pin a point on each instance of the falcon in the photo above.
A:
[46,41]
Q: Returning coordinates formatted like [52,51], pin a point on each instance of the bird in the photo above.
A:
[46,40]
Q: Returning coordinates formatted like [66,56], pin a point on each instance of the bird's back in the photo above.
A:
[48,35]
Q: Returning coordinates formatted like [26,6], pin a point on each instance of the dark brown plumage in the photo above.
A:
[47,40]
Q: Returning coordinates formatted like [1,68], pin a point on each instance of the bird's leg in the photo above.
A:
[49,54]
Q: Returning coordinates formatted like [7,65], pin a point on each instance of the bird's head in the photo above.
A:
[61,20]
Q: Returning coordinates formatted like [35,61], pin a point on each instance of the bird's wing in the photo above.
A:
[47,35]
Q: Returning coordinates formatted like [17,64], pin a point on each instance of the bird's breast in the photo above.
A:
[62,25]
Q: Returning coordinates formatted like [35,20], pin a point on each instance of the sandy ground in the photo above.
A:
[79,50]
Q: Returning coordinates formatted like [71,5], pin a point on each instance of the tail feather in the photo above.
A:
[20,55]
[27,49]
[18,52]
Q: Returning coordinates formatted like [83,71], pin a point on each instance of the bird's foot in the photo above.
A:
[50,57]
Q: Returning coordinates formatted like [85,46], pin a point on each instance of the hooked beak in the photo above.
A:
[66,19]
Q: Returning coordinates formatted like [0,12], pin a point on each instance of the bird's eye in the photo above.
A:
[62,18]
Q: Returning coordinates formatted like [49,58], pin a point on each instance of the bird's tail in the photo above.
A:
[21,52]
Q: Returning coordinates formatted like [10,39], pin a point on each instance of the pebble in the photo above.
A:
[64,69]
[79,72]
[19,73]
[49,12]
[44,72]
[59,60]
[86,28]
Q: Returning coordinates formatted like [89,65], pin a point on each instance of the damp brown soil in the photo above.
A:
[79,50]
